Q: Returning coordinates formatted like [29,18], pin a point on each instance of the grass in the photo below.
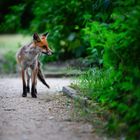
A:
[9,45]
[95,85]
[12,42]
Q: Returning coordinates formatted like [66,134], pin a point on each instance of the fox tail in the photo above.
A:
[41,76]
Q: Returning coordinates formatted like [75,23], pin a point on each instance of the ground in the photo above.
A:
[46,118]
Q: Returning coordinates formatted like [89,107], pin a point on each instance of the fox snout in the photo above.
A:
[48,52]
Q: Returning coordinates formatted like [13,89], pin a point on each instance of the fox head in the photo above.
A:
[42,43]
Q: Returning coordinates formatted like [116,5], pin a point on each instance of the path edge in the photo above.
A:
[75,95]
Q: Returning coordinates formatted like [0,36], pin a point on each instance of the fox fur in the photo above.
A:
[27,57]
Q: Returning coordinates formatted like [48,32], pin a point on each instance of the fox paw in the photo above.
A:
[34,95]
[24,94]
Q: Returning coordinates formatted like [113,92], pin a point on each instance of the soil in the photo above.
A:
[47,117]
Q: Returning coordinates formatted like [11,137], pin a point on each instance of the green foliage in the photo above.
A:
[96,82]
[107,33]
[12,20]
[117,42]
[64,20]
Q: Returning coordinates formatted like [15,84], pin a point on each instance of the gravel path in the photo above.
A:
[45,118]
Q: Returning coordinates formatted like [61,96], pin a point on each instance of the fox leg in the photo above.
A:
[36,86]
[34,81]
[28,81]
[24,94]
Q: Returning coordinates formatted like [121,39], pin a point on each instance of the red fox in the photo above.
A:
[27,58]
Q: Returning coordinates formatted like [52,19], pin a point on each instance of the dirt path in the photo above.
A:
[44,118]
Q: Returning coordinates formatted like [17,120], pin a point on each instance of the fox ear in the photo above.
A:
[36,37]
[46,34]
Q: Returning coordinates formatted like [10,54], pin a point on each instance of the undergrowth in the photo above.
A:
[104,109]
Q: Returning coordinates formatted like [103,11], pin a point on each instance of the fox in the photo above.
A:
[28,59]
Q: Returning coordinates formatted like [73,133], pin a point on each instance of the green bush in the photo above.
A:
[12,21]
[63,19]
[118,44]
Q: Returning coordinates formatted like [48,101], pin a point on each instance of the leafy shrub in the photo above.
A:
[12,21]
[119,42]
[63,19]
